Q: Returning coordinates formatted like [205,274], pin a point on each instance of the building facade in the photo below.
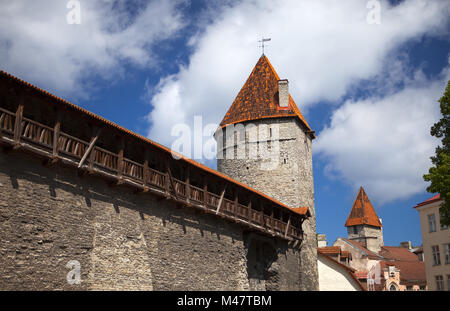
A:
[335,275]
[436,244]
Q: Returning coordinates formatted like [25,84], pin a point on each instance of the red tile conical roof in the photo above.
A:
[258,98]
[362,212]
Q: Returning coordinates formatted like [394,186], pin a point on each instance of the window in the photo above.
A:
[439,282]
[422,288]
[355,229]
[432,223]
[443,227]
[436,255]
[448,282]
[447,253]
[409,288]
[392,288]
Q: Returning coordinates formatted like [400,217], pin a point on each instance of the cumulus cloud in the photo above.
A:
[384,143]
[38,44]
[322,47]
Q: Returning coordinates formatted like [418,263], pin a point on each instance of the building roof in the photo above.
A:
[411,272]
[349,270]
[398,253]
[362,212]
[304,211]
[330,250]
[361,248]
[258,98]
[361,275]
[433,199]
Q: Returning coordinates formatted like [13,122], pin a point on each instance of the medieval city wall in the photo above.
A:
[286,175]
[50,216]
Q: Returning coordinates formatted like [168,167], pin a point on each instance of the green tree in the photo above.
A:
[439,173]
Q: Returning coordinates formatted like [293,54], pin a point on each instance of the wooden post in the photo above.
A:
[169,175]
[145,172]
[249,210]
[120,164]
[18,121]
[205,191]
[287,226]
[56,131]
[166,179]
[188,181]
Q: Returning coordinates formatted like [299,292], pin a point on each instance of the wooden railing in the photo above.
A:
[41,136]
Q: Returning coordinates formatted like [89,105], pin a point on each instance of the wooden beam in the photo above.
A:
[89,149]
[205,191]
[188,181]
[169,174]
[235,205]
[120,164]
[18,121]
[56,131]
[145,173]
[219,205]
[287,226]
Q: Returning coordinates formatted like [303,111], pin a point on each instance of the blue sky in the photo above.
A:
[369,90]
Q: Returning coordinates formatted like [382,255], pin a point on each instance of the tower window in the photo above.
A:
[270,132]
[355,229]
[284,161]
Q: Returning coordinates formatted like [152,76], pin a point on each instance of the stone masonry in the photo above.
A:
[286,175]
[127,241]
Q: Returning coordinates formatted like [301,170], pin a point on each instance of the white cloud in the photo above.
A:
[384,143]
[37,43]
[322,47]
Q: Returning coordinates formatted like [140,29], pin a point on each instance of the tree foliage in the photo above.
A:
[439,173]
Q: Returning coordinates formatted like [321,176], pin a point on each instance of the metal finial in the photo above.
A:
[262,43]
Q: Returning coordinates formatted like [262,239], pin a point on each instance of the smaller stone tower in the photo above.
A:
[363,224]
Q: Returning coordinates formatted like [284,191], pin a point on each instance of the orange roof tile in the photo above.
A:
[362,212]
[330,250]
[304,211]
[398,253]
[411,272]
[258,98]
[433,199]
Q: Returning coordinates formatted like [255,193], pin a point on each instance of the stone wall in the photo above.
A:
[122,240]
[285,174]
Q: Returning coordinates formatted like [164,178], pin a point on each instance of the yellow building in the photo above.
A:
[436,244]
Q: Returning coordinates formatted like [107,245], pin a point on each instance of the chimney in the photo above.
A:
[406,245]
[283,92]
[321,240]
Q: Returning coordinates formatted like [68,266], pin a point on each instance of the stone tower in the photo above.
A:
[363,224]
[265,142]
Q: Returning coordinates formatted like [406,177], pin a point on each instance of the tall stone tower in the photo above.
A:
[265,142]
[363,224]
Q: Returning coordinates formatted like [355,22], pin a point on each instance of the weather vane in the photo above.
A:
[262,43]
